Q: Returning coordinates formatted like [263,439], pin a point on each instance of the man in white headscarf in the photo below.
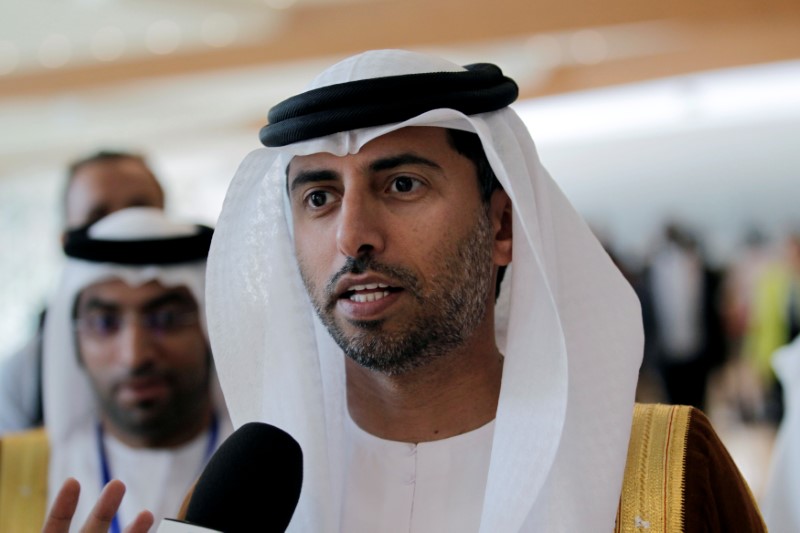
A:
[128,375]
[375,204]
[376,222]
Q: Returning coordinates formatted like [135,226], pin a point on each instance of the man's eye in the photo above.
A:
[404,184]
[163,319]
[167,320]
[101,323]
[106,323]
[317,198]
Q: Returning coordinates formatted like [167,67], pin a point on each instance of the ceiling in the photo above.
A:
[75,73]
[57,45]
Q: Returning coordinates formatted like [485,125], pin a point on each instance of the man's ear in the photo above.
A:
[501,213]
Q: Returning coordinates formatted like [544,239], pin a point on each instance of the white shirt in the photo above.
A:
[155,479]
[415,488]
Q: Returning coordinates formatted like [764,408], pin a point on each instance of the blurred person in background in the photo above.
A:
[130,391]
[775,320]
[744,391]
[106,182]
[779,504]
[96,185]
[686,339]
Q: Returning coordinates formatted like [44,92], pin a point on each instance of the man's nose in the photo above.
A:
[134,344]
[361,225]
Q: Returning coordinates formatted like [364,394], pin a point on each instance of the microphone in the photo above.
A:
[252,483]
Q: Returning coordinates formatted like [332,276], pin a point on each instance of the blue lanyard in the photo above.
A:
[213,435]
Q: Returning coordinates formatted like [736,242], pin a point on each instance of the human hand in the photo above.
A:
[63,510]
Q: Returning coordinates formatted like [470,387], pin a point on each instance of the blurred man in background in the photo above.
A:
[686,338]
[95,186]
[106,182]
[128,373]
[774,321]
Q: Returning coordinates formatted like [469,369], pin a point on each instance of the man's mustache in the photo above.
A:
[146,370]
[367,263]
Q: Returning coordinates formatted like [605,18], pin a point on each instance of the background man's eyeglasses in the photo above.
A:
[104,324]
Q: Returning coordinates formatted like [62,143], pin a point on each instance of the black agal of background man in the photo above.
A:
[78,244]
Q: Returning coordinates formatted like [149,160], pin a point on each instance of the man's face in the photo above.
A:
[145,354]
[102,187]
[395,247]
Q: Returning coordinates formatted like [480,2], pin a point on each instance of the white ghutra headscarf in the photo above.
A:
[568,324]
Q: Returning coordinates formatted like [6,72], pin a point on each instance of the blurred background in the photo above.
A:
[670,125]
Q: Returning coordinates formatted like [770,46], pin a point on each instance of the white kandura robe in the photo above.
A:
[156,479]
[395,487]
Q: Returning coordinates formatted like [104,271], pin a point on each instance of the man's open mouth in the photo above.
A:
[369,292]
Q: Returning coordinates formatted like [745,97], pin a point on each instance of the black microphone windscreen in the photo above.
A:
[252,482]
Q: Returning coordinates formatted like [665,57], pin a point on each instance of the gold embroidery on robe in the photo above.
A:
[24,459]
[653,486]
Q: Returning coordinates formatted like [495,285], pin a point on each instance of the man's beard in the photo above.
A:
[447,314]
[155,420]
